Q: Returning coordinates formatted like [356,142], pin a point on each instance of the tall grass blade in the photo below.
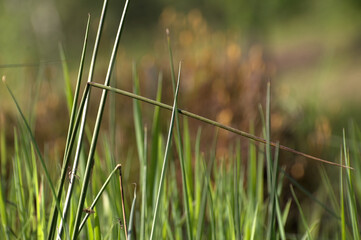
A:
[151,173]
[161,181]
[81,113]
[138,122]
[237,217]
[123,203]
[144,189]
[68,91]
[72,128]
[350,193]
[186,178]
[90,161]
[342,205]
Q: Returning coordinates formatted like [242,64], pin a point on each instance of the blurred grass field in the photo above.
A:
[229,51]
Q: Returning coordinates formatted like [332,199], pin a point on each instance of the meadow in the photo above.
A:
[158,171]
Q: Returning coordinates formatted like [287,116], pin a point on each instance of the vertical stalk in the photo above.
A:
[161,181]
[90,161]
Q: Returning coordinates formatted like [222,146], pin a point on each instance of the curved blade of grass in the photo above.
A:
[99,195]
[132,210]
[187,198]
[90,161]
[214,123]
[161,181]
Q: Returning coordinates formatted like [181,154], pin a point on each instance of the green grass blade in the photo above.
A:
[144,189]
[19,186]
[3,152]
[237,217]
[82,113]
[350,193]
[131,216]
[155,145]
[68,91]
[77,88]
[186,173]
[161,181]
[3,213]
[253,229]
[40,219]
[137,116]
[90,161]
[206,190]
[47,175]
[73,126]
[96,199]
[342,205]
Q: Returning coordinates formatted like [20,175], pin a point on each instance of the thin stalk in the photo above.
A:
[161,181]
[342,209]
[350,193]
[69,145]
[72,126]
[271,178]
[214,123]
[90,161]
[144,189]
[99,195]
[131,217]
[123,205]
[186,197]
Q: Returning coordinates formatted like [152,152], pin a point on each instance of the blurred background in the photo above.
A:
[309,50]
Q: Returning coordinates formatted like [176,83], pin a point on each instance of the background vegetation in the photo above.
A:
[309,50]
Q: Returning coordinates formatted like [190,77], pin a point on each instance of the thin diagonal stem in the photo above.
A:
[214,123]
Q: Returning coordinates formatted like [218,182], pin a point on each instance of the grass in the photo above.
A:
[234,196]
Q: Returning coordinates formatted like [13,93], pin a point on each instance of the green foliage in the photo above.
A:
[220,197]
